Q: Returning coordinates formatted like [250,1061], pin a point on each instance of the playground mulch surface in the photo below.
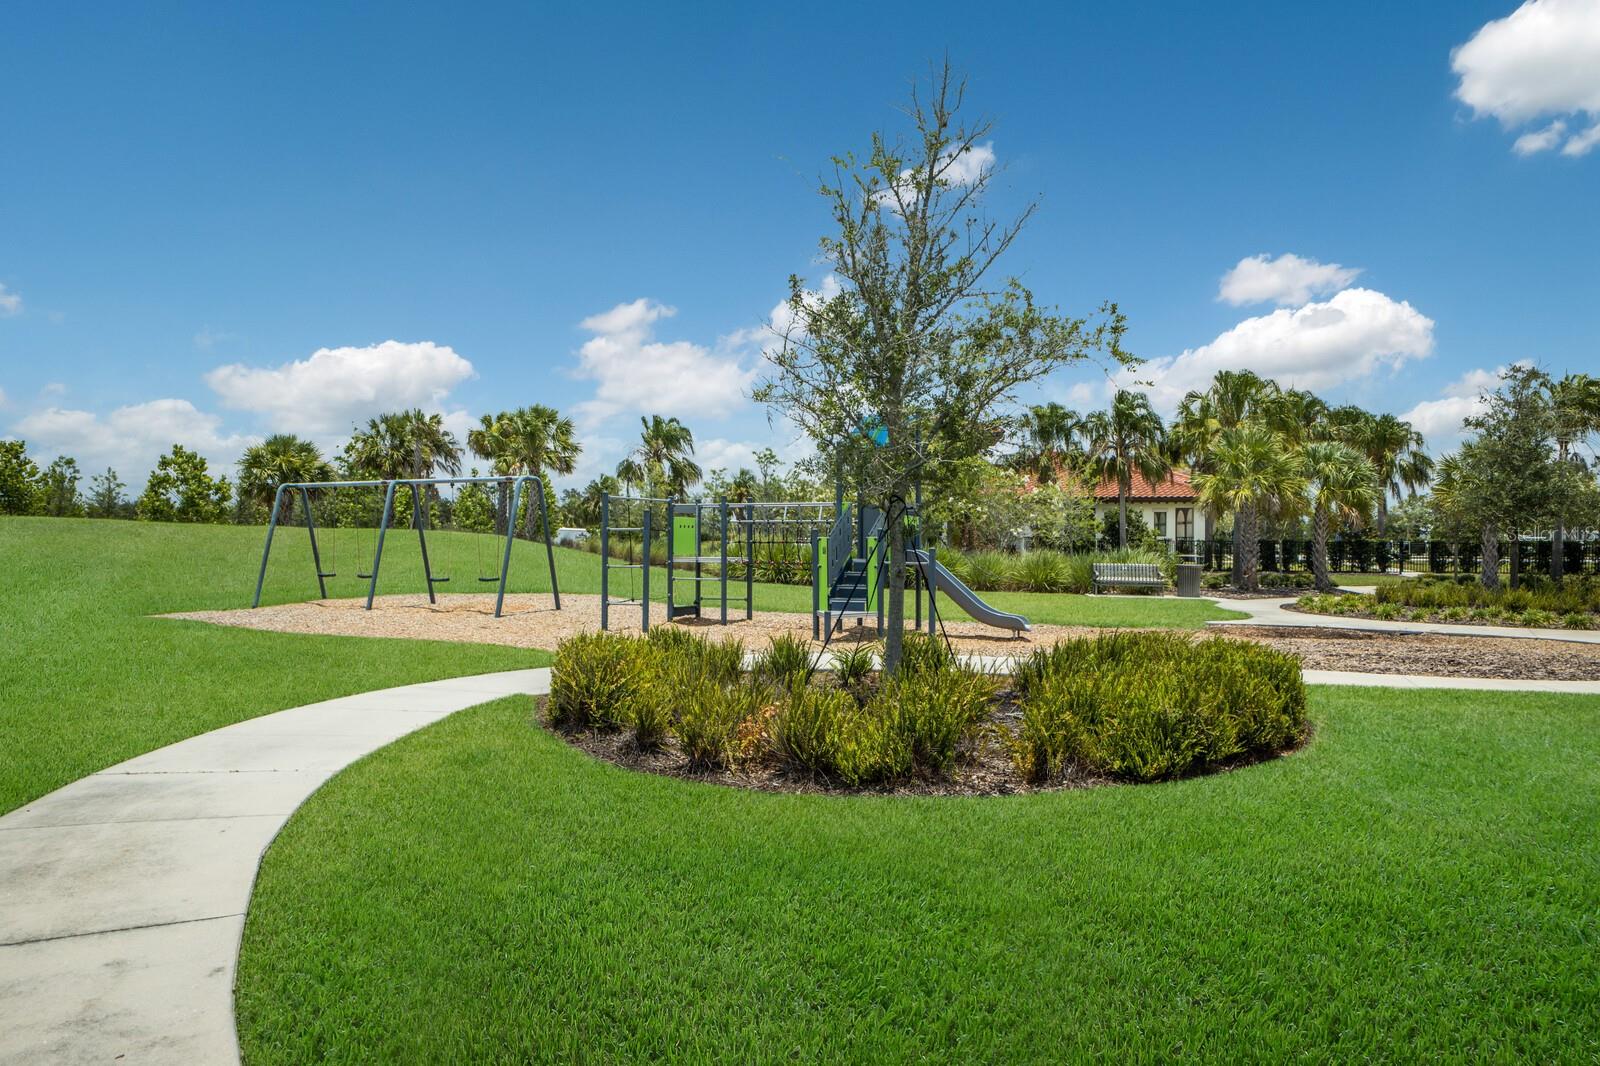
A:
[531,622]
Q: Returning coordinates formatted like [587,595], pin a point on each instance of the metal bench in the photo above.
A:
[1128,575]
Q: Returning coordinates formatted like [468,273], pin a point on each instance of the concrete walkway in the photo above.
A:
[122,896]
[1273,612]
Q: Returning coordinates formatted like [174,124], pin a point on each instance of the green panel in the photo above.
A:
[685,535]
[822,568]
[872,571]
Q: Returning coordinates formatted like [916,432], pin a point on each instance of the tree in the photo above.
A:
[915,361]
[538,441]
[767,463]
[1252,470]
[1344,487]
[663,460]
[105,495]
[487,442]
[1126,440]
[182,490]
[281,459]
[58,489]
[403,444]
[1394,449]
[1575,407]
[1234,398]
[1050,438]
[19,479]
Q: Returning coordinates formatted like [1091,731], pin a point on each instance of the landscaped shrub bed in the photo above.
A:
[1135,706]
[1041,571]
[1572,604]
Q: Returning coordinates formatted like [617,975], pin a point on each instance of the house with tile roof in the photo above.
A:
[1170,506]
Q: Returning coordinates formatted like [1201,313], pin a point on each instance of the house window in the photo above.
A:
[1185,523]
[1161,524]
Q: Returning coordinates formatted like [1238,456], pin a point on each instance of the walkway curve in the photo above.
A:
[1274,612]
[123,895]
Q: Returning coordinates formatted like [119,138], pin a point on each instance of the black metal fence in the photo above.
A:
[1361,555]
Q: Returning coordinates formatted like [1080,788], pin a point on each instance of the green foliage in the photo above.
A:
[932,713]
[1151,706]
[710,717]
[925,654]
[19,477]
[786,659]
[474,509]
[852,665]
[595,679]
[58,489]
[1573,603]
[1043,571]
[105,496]
[181,490]
[806,727]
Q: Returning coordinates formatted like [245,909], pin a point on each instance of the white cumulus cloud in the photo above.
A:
[1353,334]
[131,438]
[1543,59]
[324,394]
[10,302]
[1288,279]
[636,373]
[1441,420]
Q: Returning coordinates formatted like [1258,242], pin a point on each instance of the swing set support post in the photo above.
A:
[377,555]
[418,520]
[722,574]
[549,548]
[749,563]
[266,552]
[311,531]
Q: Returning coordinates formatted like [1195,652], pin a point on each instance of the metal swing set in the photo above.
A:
[420,488]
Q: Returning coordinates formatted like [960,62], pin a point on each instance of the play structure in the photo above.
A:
[712,548]
[366,512]
[713,552]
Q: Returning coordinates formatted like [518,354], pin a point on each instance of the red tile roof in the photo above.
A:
[1176,486]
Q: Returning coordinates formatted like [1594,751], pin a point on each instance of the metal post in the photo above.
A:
[377,555]
[505,558]
[549,548]
[699,507]
[422,539]
[815,579]
[644,570]
[722,578]
[671,530]
[272,525]
[749,563]
[311,531]
[933,583]
[605,559]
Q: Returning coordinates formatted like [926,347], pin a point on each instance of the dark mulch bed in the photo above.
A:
[1430,654]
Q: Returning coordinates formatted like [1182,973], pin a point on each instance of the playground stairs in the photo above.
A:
[849,596]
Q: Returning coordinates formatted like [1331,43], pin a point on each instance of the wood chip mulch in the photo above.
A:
[531,622]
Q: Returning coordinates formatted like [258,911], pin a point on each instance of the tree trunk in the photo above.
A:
[1558,550]
[1383,512]
[1249,550]
[1319,551]
[502,504]
[1490,543]
[894,620]
[1122,518]
[1516,559]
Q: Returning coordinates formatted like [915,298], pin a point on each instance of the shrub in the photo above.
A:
[921,653]
[987,571]
[1151,706]
[710,721]
[594,678]
[851,667]
[934,713]
[1040,571]
[805,730]
[1577,620]
[786,659]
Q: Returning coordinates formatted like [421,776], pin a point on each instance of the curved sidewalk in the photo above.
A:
[1273,612]
[123,895]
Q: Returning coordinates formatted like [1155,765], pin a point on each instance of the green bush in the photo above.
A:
[933,713]
[851,667]
[805,731]
[1151,706]
[922,653]
[786,659]
[709,720]
[1039,571]
[594,679]
[988,570]
[1577,620]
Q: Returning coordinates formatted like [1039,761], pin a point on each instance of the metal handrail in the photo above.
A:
[839,543]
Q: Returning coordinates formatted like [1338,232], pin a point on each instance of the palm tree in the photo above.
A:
[1051,434]
[1343,486]
[281,459]
[632,474]
[1575,404]
[663,455]
[1252,470]
[404,444]
[1393,447]
[487,442]
[1234,398]
[540,442]
[1128,439]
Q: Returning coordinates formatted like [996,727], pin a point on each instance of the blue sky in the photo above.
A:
[214,219]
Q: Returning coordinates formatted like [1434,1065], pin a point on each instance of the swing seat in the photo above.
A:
[364,577]
[327,573]
[438,580]
[496,577]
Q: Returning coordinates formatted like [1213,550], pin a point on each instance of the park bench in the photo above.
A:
[1128,575]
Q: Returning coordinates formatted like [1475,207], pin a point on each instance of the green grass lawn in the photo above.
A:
[1421,882]
[87,680]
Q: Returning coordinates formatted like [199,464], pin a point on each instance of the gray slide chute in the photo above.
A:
[947,584]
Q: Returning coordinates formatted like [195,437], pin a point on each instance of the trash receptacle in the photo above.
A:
[1188,579]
